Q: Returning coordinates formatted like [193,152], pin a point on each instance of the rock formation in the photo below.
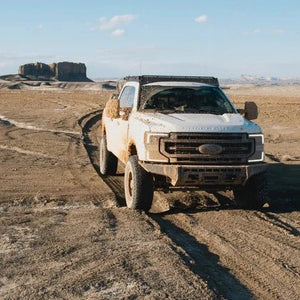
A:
[65,71]
[62,71]
[36,71]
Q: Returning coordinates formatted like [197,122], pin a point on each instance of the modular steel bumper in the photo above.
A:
[191,175]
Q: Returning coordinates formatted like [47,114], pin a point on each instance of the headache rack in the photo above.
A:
[144,79]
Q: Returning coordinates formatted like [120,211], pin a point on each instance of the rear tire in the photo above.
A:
[253,195]
[108,162]
[138,185]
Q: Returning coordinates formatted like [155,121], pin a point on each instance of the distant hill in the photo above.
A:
[261,80]
[22,82]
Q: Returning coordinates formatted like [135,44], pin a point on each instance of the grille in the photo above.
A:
[184,148]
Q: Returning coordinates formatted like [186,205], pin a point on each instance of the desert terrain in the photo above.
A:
[65,232]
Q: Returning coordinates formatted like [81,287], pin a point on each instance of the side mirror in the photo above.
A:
[251,110]
[112,108]
[120,84]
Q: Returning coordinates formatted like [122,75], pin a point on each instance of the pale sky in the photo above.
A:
[117,38]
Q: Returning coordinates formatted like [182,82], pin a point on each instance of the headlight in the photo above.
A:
[152,141]
[259,154]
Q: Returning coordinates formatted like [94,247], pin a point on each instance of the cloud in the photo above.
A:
[201,19]
[118,32]
[115,21]
[256,31]
[279,31]
[40,27]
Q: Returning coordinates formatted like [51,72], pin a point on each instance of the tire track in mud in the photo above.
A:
[261,256]
[22,138]
[97,197]
[203,262]
[290,226]
[9,122]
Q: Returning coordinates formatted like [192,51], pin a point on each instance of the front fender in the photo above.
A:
[136,135]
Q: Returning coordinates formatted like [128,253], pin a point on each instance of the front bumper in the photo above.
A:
[205,175]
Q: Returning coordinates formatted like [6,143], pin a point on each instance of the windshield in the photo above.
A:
[210,100]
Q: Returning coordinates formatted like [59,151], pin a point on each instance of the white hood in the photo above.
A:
[176,122]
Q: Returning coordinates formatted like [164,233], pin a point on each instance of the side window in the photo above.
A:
[127,97]
[124,96]
[130,97]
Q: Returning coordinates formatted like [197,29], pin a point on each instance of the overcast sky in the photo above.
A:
[189,37]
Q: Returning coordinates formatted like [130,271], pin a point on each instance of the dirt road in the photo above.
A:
[65,232]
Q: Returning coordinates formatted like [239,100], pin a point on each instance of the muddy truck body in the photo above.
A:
[182,132]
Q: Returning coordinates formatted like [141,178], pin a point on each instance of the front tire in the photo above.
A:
[138,185]
[108,162]
[253,195]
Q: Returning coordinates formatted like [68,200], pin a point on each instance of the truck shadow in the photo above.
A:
[283,189]
[203,263]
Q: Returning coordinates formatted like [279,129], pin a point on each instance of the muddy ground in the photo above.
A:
[65,233]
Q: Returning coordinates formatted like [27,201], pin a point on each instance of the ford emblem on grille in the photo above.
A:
[211,149]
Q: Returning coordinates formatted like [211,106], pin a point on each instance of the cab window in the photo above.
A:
[127,97]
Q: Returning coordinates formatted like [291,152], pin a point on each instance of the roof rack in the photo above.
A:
[144,79]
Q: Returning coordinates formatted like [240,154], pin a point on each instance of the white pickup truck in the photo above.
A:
[182,132]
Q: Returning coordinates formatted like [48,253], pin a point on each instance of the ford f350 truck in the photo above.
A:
[182,132]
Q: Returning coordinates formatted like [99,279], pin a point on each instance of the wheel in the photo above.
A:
[253,195]
[138,185]
[108,162]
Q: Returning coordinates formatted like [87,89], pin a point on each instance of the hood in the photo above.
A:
[175,122]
